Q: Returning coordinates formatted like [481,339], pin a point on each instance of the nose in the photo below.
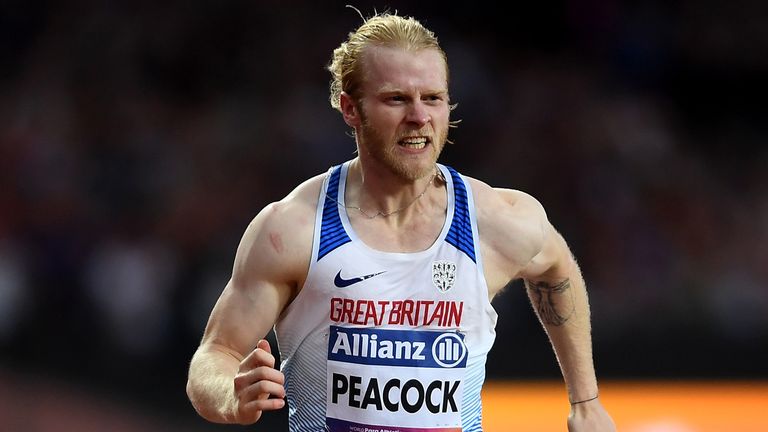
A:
[418,114]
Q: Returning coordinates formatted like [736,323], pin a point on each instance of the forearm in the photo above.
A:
[563,309]
[210,385]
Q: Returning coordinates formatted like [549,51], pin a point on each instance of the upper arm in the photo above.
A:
[270,263]
[553,259]
[518,239]
[553,262]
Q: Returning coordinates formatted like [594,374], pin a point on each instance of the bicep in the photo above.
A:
[242,315]
[553,262]
[262,283]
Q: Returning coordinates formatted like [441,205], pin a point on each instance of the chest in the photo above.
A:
[415,235]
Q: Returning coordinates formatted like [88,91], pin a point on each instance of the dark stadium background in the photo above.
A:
[137,140]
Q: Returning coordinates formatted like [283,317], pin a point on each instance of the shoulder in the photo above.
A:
[279,238]
[297,208]
[511,223]
[291,213]
[501,206]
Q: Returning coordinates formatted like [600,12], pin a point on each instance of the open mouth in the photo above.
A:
[414,143]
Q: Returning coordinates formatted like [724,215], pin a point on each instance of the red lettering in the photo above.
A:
[408,313]
[335,309]
[359,312]
[454,316]
[437,315]
[370,313]
[382,307]
[426,304]
[348,308]
[401,312]
[395,314]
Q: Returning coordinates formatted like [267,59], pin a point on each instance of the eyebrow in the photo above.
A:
[385,89]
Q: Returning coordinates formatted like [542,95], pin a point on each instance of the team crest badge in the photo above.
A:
[443,275]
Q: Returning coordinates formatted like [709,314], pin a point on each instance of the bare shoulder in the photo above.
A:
[277,244]
[509,209]
[512,224]
[515,199]
[298,207]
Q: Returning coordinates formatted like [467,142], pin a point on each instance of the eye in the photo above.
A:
[433,98]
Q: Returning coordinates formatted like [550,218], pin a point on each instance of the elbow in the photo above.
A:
[194,400]
[205,404]
[200,407]
[190,393]
[190,388]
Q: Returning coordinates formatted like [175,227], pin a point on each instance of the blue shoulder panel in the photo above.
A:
[332,233]
[460,233]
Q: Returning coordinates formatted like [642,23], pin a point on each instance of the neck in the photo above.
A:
[377,191]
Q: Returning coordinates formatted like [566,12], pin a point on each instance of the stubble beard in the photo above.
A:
[385,153]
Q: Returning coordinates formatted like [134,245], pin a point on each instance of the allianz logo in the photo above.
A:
[447,349]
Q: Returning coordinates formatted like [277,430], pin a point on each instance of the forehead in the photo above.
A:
[389,68]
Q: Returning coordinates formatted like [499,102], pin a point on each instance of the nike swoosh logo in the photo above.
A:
[341,282]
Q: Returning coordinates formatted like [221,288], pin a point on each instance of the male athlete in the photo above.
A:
[378,274]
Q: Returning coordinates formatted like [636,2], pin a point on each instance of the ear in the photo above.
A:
[349,110]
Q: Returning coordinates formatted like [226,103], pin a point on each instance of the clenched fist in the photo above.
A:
[256,380]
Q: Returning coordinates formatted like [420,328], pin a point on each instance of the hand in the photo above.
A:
[255,381]
[590,417]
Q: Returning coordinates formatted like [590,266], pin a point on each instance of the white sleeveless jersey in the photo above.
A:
[395,342]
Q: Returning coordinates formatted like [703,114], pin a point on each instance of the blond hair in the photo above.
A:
[383,29]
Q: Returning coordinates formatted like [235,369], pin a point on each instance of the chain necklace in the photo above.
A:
[379,212]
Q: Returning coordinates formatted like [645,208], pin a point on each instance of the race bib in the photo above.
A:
[394,380]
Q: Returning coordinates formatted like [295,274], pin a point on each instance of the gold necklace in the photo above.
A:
[379,212]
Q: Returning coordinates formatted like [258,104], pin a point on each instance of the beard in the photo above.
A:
[385,151]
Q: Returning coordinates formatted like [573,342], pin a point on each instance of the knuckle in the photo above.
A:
[265,358]
[241,381]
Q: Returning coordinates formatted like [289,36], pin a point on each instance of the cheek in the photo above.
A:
[443,114]
[382,117]
[387,127]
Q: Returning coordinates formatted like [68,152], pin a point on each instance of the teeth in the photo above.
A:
[414,142]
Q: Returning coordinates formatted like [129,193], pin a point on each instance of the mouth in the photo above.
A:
[414,143]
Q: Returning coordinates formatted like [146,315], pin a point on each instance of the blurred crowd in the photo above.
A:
[137,140]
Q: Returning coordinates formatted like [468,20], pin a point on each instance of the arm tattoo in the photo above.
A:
[553,303]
